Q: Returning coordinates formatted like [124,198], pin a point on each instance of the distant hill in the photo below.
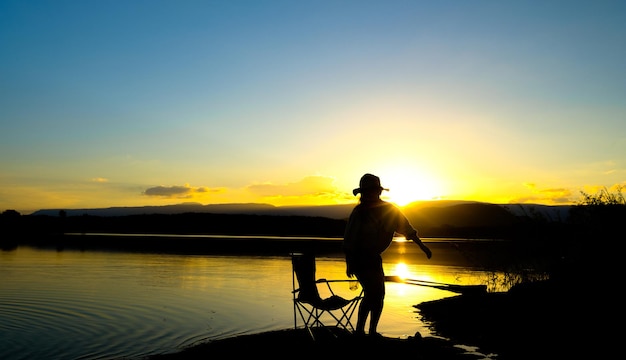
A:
[423,214]
[330,211]
[433,219]
[164,209]
[556,213]
[478,213]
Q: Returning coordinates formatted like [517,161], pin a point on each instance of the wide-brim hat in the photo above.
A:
[368,182]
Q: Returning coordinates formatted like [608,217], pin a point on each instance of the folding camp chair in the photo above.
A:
[334,311]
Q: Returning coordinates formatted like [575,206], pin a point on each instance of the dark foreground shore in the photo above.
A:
[542,320]
[297,343]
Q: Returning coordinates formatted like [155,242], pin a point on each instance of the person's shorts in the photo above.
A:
[369,271]
[367,263]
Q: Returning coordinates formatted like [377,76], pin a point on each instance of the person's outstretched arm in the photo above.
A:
[410,233]
[416,239]
[424,248]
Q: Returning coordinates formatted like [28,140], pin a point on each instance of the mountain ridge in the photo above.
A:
[550,213]
[452,219]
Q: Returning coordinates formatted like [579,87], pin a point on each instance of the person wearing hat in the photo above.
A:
[369,232]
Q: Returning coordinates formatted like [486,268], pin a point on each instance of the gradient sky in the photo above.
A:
[132,103]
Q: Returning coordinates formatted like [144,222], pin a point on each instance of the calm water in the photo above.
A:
[103,305]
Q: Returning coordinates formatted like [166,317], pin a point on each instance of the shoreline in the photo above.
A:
[329,342]
[451,251]
[531,321]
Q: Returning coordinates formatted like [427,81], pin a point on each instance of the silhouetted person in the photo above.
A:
[369,232]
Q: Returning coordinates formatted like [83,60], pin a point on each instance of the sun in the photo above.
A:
[406,186]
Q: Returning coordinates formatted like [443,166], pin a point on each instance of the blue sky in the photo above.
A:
[130,103]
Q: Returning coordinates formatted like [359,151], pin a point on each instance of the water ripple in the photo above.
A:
[74,305]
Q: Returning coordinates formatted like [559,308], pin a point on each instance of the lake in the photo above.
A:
[102,304]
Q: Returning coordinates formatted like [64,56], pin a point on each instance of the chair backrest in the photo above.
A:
[304,268]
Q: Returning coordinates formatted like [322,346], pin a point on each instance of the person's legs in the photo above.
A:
[364,310]
[372,279]
[376,303]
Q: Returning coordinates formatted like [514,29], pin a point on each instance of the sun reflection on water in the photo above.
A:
[401,270]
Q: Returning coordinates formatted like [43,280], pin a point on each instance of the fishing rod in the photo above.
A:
[460,289]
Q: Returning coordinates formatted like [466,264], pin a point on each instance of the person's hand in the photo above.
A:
[349,272]
[426,251]
[429,253]
[422,246]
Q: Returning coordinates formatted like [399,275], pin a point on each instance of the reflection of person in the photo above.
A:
[370,230]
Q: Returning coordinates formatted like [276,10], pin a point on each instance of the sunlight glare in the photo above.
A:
[406,186]
[401,270]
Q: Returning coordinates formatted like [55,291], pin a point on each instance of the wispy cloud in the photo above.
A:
[553,196]
[310,185]
[179,192]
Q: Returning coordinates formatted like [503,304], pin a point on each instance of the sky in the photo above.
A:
[137,103]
